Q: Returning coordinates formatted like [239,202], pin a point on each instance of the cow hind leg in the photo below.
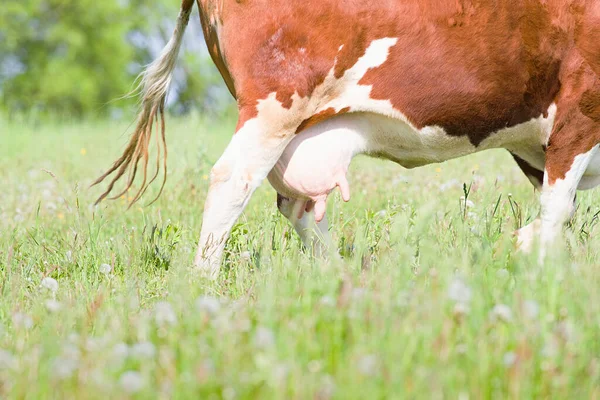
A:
[558,193]
[571,148]
[245,163]
[527,235]
[314,235]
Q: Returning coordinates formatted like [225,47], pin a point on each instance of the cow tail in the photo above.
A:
[153,87]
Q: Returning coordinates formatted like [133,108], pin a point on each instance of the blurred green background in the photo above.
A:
[78,58]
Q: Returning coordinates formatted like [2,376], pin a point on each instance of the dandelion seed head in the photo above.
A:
[143,350]
[501,312]
[208,304]
[120,351]
[7,360]
[368,365]
[131,382]
[22,321]
[64,367]
[105,269]
[459,292]
[531,309]
[164,314]
[327,301]
[509,359]
[264,338]
[52,305]
[50,283]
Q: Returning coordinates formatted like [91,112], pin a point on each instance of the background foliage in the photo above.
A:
[78,57]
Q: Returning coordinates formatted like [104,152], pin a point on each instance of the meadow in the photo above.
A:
[430,301]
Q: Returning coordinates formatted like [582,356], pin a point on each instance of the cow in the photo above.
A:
[411,81]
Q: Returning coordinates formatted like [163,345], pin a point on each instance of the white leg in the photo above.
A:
[557,200]
[243,166]
[314,235]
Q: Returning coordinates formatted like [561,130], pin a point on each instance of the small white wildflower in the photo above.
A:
[453,183]
[64,367]
[69,255]
[21,320]
[503,274]
[468,203]
[73,337]
[264,338]
[71,351]
[120,351]
[460,310]
[327,301]
[315,366]
[459,292]
[7,360]
[143,350]
[52,305]
[566,330]
[105,269]
[509,359]
[381,213]
[368,365]
[229,393]
[501,312]
[461,348]
[358,293]
[164,314]
[50,283]
[131,382]
[551,347]
[531,309]
[327,389]
[208,304]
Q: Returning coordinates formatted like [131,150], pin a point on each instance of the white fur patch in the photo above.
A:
[557,199]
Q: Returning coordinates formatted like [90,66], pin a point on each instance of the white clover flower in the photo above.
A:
[264,338]
[105,269]
[21,320]
[368,365]
[52,305]
[131,382]
[501,312]
[143,350]
[50,283]
[459,292]
[208,304]
[164,314]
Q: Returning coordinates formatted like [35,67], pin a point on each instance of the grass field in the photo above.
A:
[431,301]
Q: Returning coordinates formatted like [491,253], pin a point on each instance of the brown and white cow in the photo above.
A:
[413,81]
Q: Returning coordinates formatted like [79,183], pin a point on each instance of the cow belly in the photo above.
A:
[317,159]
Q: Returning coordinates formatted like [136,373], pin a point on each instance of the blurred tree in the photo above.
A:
[74,57]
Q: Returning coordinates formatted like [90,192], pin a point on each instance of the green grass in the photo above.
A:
[431,300]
